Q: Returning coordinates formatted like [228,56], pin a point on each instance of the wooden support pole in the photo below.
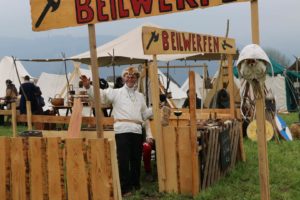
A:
[193,131]
[262,149]
[95,75]
[260,117]
[231,85]
[14,118]
[157,124]
[29,115]
[255,22]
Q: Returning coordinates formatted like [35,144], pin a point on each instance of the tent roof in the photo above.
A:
[128,49]
[8,71]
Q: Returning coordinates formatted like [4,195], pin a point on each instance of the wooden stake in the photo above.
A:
[157,124]
[193,136]
[14,118]
[95,74]
[29,115]
[255,21]
[260,117]
[262,149]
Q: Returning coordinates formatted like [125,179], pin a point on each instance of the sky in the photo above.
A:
[278,24]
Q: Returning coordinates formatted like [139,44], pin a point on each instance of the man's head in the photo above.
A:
[8,82]
[85,81]
[130,76]
[26,78]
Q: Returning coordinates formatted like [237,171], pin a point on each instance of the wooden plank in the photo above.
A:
[35,166]
[29,115]
[83,134]
[98,169]
[76,170]
[185,161]
[95,75]
[75,121]
[208,154]
[230,86]
[14,118]
[211,156]
[4,167]
[262,149]
[55,169]
[161,170]
[18,169]
[63,119]
[115,170]
[215,156]
[193,136]
[170,151]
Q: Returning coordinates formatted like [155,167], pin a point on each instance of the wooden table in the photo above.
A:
[57,108]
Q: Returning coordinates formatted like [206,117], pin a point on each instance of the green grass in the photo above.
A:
[242,183]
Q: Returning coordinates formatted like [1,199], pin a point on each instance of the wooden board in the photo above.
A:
[55,169]
[66,13]
[170,152]
[185,161]
[18,170]
[4,167]
[36,170]
[99,172]
[75,121]
[76,170]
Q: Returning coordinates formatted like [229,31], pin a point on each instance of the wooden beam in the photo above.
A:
[29,115]
[157,124]
[255,22]
[183,66]
[193,135]
[94,68]
[63,119]
[14,118]
[230,86]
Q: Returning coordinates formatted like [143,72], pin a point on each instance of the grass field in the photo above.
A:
[242,183]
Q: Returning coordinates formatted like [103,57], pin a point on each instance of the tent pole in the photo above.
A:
[95,75]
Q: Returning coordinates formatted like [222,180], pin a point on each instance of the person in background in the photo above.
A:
[223,99]
[11,94]
[186,103]
[27,92]
[130,111]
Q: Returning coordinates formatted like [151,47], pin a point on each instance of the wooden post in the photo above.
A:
[204,85]
[14,118]
[260,117]
[94,68]
[231,85]
[255,21]
[29,115]
[193,131]
[157,124]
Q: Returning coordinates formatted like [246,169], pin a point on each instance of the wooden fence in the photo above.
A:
[178,160]
[51,168]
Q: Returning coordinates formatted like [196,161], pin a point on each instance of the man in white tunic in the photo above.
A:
[129,111]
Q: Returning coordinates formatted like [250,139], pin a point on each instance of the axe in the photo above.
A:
[50,4]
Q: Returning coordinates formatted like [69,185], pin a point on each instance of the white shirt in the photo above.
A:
[127,104]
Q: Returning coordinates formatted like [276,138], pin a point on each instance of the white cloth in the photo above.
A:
[127,104]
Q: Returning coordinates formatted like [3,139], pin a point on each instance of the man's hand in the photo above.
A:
[150,141]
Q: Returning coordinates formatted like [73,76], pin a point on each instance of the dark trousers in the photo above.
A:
[129,153]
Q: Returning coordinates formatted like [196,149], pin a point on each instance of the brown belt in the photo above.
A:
[129,120]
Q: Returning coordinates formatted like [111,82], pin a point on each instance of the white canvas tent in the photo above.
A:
[178,95]
[8,71]
[53,85]
[198,86]
[276,85]
[126,49]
